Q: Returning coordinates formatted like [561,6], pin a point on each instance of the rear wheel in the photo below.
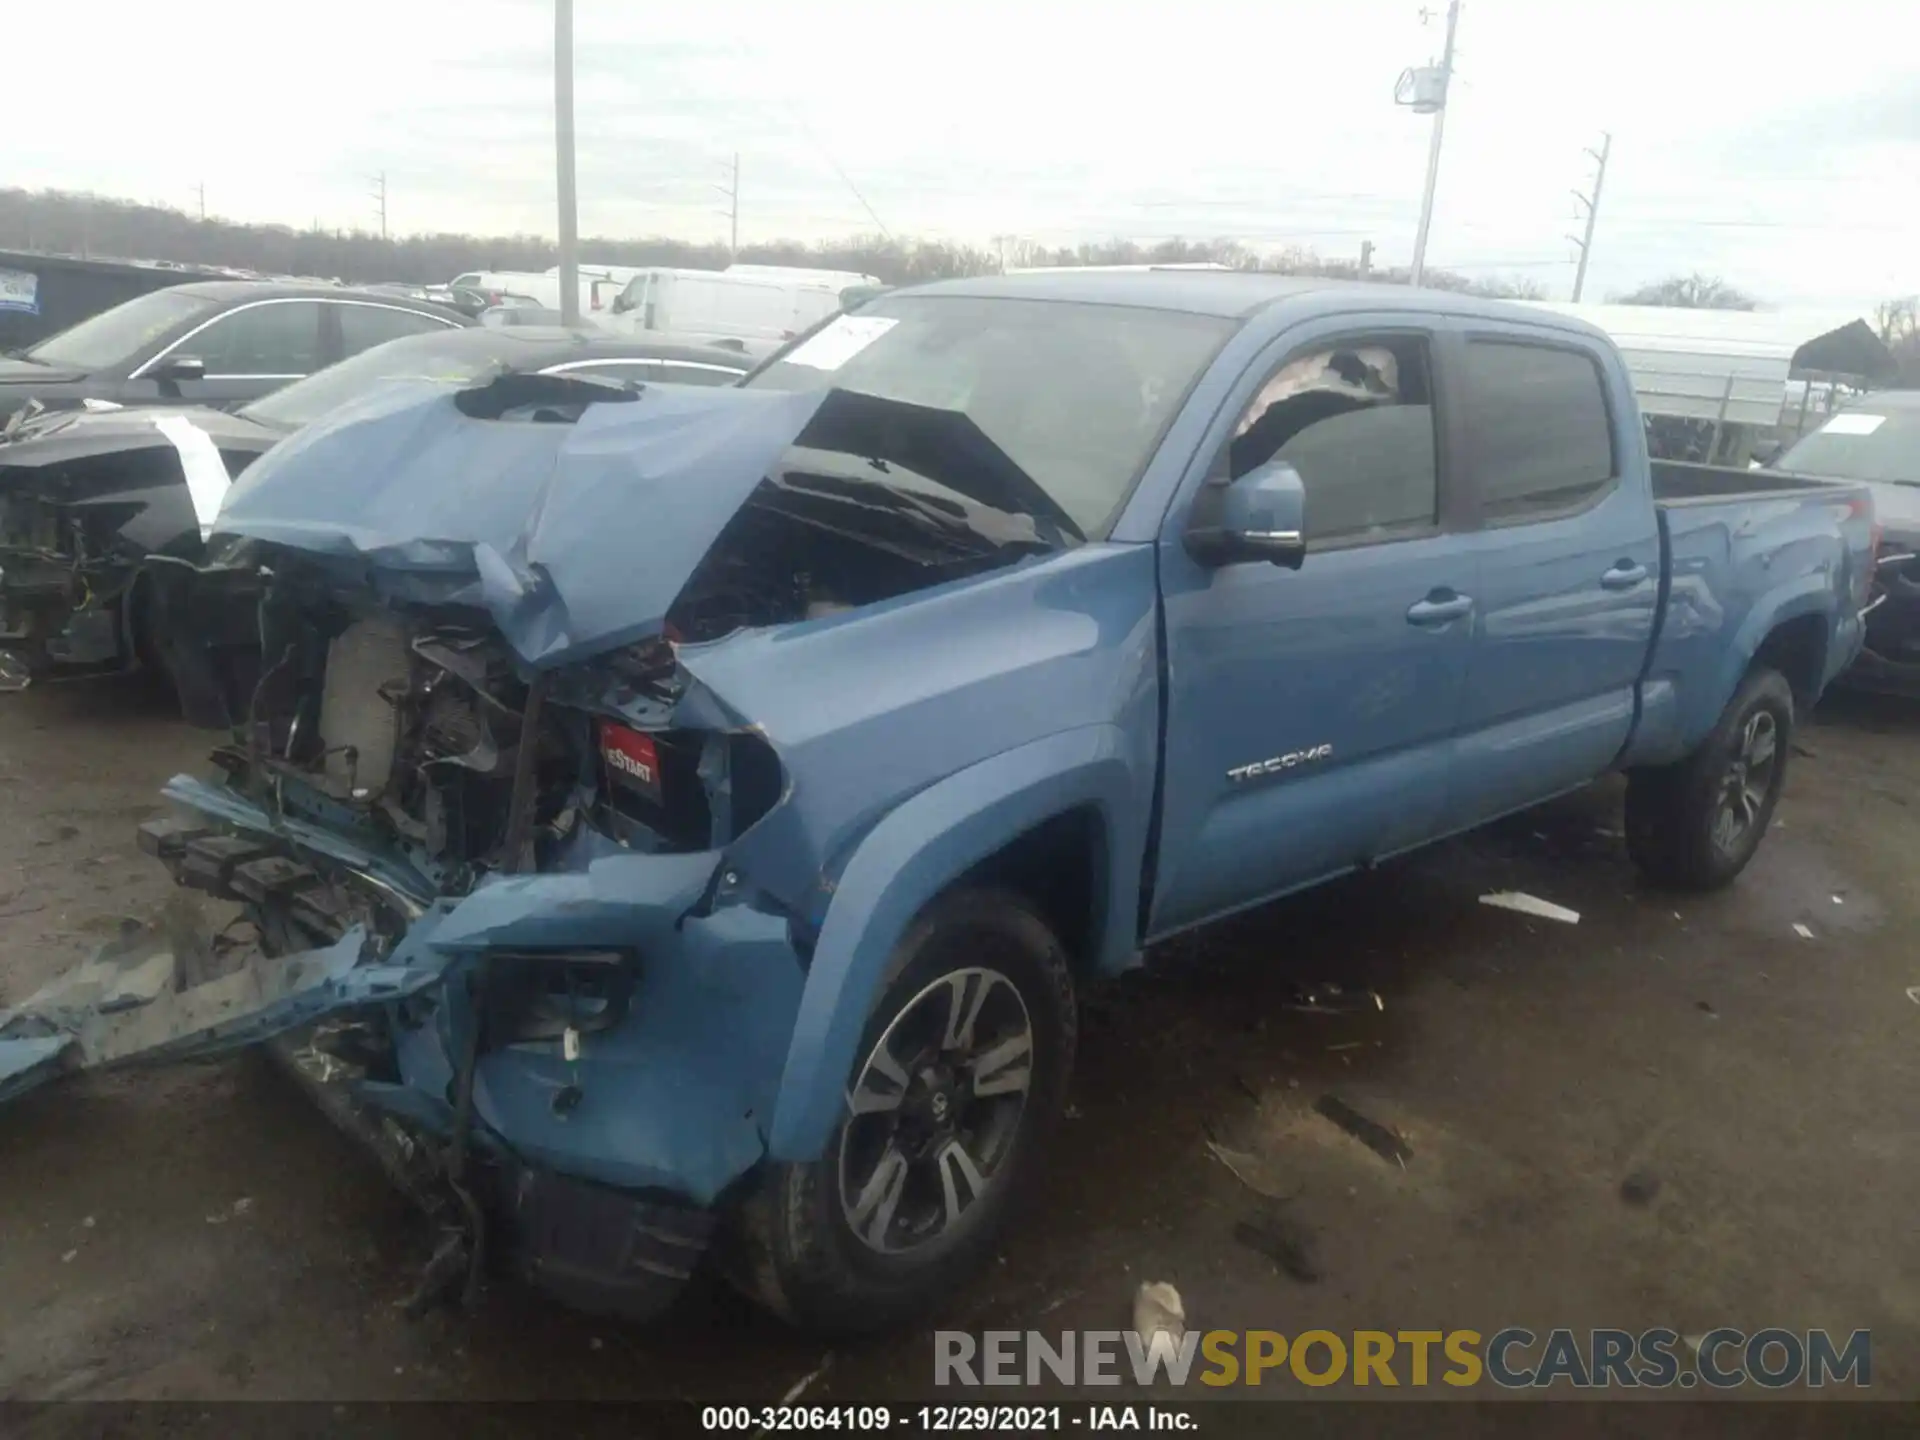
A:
[961,1072]
[1695,824]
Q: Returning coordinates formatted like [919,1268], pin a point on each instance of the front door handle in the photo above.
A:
[1438,608]
[1623,576]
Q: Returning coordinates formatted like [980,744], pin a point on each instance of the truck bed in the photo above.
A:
[1683,482]
[1744,550]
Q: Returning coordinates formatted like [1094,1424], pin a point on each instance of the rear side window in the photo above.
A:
[364,326]
[1537,418]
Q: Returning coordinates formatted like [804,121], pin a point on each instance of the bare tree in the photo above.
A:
[1690,292]
[1898,324]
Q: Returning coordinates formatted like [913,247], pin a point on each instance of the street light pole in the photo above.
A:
[1433,147]
[563,161]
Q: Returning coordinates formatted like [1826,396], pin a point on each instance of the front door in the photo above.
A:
[1310,712]
[248,352]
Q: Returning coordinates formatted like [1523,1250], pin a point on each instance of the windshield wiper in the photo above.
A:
[1002,529]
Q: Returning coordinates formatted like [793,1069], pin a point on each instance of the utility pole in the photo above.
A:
[1366,259]
[201,189]
[732,212]
[563,162]
[1433,148]
[380,199]
[1592,202]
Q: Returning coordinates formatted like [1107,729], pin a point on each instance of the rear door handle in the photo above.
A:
[1438,608]
[1623,576]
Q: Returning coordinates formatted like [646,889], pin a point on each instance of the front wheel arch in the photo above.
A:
[918,852]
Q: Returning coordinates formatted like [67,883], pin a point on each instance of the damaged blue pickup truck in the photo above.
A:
[678,822]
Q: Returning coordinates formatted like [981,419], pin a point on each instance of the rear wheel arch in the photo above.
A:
[1796,648]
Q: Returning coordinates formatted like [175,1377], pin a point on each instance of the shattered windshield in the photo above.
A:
[447,356]
[1074,396]
[1870,442]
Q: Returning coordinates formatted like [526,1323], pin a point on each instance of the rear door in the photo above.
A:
[1310,713]
[1569,564]
[361,326]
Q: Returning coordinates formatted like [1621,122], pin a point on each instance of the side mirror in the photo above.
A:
[1767,454]
[180,367]
[621,304]
[1260,516]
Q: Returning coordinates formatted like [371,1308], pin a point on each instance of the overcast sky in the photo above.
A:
[1777,145]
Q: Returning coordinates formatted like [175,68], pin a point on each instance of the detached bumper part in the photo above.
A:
[598,1249]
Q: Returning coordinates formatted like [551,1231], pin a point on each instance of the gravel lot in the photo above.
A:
[201,1233]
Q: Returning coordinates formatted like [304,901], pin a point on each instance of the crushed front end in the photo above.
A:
[1890,657]
[527,905]
[591,1012]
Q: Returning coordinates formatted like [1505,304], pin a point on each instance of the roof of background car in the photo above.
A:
[234,290]
[1232,293]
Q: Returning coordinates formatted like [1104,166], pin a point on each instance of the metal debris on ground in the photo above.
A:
[1157,1309]
[1370,1133]
[1285,1241]
[1246,1169]
[1328,998]
[800,1387]
[1802,931]
[1525,904]
[1913,993]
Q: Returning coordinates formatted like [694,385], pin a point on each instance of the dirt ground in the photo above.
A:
[201,1233]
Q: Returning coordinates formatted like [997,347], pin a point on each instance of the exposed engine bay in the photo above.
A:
[63,588]
[416,723]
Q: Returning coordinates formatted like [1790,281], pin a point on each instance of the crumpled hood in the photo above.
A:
[576,538]
[30,372]
[62,435]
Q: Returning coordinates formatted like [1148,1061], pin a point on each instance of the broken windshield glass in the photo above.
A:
[1068,400]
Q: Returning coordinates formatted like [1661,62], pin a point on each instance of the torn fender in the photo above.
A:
[915,853]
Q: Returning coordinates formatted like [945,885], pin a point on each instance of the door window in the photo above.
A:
[364,326]
[1539,435]
[274,340]
[1355,418]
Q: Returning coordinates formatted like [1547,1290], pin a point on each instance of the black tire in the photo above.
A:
[1675,812]
[792,1243]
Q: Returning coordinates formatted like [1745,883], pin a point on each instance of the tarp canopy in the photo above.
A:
[1731,365]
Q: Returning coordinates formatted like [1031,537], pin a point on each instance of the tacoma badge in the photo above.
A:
[1278,763]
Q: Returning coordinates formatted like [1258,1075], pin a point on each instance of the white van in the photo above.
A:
[844,279]
[715,305]
[597,291]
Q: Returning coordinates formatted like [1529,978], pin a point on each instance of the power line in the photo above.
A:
[795,119]
[1592,202]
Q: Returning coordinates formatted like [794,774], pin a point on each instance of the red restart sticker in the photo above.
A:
[631,757]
